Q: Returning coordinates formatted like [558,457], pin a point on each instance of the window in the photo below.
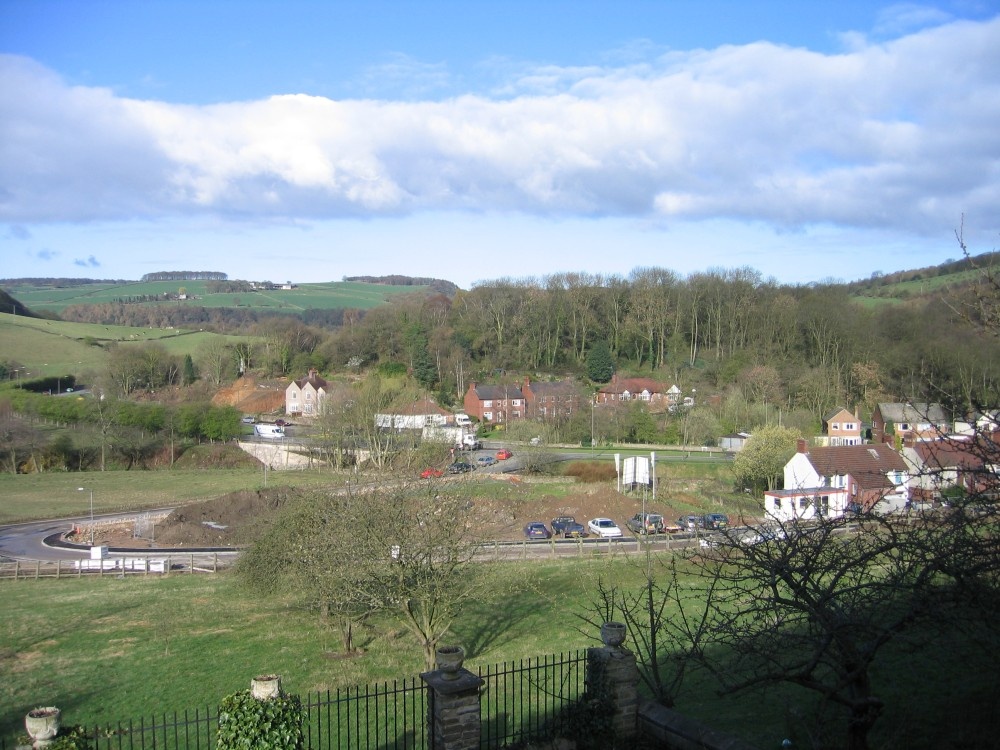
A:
[516,402]
[850,426]
[487,403]
[803,503]
[777,503]
[835,426]
[488,416]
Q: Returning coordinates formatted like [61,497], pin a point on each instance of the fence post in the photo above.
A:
[453,713]
[613,677]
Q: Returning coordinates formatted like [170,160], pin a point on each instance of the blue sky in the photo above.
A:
[308,141]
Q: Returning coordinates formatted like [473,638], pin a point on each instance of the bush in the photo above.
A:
[246,722]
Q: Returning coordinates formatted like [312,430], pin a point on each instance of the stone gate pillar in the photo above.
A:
[453,714]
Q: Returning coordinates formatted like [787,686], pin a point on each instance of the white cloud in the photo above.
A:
[895,135]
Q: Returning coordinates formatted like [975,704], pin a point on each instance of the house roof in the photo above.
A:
[556,388]
[497,392]
[916,412]
[867,464]
[949,453]
[836,413]
[633,385]
[314,379]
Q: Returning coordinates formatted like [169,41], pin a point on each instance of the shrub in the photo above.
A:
[273,724]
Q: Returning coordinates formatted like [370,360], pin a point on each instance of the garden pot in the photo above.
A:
[266,686]
[449,660]
[613,634]
[42,723]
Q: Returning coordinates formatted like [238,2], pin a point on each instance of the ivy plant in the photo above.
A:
[247,723]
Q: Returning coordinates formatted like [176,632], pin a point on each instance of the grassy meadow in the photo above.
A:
[321,296]
[51,347]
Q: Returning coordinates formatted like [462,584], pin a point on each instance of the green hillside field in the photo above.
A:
[324,296]
[50,347]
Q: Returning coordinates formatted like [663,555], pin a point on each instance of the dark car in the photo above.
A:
[715,521]
[645,523]
[537,530]
[486,460]
[568,527]
[460,467]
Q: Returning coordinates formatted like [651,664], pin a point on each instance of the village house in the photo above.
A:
[551,401]
[494,403]
[907,423]
[964,462]
[657,396]
[831,481]
[841,427]
[304,397]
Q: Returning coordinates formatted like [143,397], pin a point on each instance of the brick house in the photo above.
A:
[494,403]
[966,461]
[840,427]
[909,422]
[827,481]
[657,396]
[552,401]
[305,396]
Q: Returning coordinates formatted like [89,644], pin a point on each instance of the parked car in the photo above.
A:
[690,523]
[460,467]
[604,527]
[537,530]
[249,420]
[645,523]
[431,472]
[715,521]
[281,423]
[486,460]
[568,527]
[503,454]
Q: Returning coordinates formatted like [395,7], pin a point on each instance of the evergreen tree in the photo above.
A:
[189,373]
[600,365]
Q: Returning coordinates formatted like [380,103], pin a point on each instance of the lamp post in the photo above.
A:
[84,489]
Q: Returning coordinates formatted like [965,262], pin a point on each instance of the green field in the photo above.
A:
[52,347]
[322,296]
[109,650]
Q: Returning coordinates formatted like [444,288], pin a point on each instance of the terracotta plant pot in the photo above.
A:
[449,660]
[42,723]
[266,686]
[613,634]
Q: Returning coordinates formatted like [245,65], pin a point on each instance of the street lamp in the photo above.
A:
[84,489]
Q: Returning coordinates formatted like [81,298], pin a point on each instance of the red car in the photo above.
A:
[430,472]
[503,454]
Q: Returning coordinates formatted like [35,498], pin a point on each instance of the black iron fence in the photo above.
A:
[519,701]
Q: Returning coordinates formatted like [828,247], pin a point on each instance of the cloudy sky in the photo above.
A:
[308,141]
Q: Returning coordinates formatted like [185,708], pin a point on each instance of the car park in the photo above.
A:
[486,460]
[715,521]
[537,530]
[460,467]
[645,523]
[430,472]
[503,454]
[604,527]
[568,527]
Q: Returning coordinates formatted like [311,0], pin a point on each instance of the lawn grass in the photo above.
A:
[106,650]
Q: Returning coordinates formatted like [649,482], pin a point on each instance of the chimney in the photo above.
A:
[801,446]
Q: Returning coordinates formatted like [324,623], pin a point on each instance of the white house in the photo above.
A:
[305,396]
[828,481]
[423,412]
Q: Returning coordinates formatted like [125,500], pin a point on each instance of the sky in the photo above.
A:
[476,140]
